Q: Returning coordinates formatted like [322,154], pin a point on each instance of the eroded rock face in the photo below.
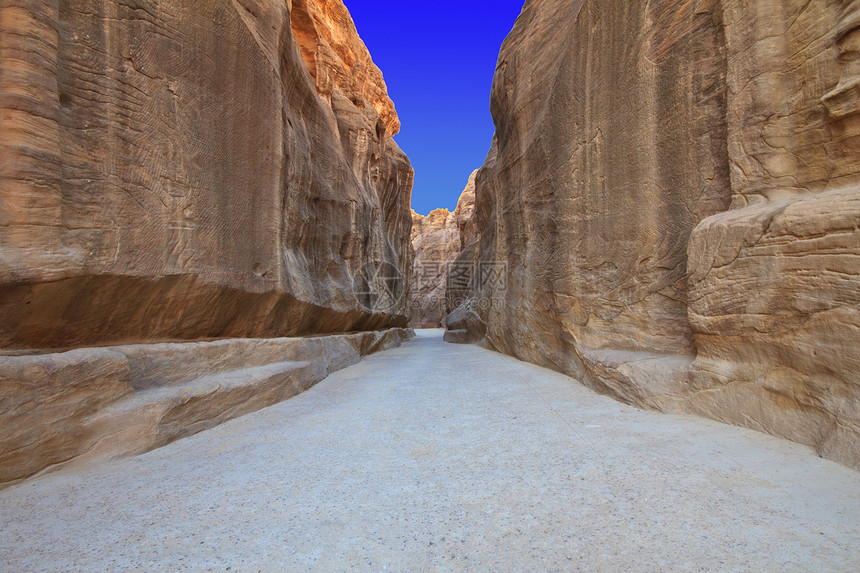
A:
[185,171]
[674,189]
[434,242]
[437,241]
[91,404]
[774,283]
[462,269]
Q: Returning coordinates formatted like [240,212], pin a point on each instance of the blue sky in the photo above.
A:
[438,61]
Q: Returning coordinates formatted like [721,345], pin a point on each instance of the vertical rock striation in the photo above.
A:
[174,170]
[774,282]
[185,171]
[673,186]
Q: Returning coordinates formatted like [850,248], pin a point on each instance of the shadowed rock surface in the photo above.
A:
[674,189]
[464,326]
[175,170]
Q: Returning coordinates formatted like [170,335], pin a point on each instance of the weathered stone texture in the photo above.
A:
[437,241]
[774,284]
[185,171]
[172,170]
[434,243]
[92,404]
[674,187]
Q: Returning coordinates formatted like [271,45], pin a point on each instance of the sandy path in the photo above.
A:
[437,457]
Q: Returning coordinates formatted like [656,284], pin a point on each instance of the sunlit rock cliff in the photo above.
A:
[176,170]
[673,187]
[438,240]
[434,241]
[183,184]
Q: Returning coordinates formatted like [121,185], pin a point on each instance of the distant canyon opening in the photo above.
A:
[203,212]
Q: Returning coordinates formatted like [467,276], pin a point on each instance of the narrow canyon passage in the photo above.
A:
[435,456]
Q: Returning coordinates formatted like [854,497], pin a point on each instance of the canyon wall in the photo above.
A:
[66,409]
[174,172]
[437,240]
[673,190]
[177,170]
[434,242]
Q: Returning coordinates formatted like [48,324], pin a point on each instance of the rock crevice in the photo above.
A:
[438,241]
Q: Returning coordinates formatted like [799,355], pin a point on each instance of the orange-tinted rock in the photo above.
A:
[437,241]
[186,171]
[674,189]
[174,171]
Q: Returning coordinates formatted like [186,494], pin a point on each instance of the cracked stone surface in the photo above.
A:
[445,457]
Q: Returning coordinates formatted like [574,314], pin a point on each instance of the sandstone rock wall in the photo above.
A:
[190,170]
[774,283]
[437,241]
[673,187]
[434,242]
[90,404]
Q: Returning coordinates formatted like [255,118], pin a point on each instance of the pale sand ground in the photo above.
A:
[436,457]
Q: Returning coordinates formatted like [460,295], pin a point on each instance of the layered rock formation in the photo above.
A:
[673,188]
[437,241]
[176,170]
[92,404]
[185,171]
